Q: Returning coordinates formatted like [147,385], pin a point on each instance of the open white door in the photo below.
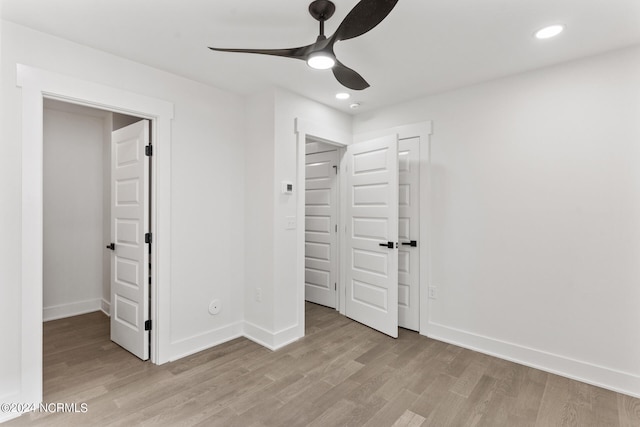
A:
[372,234]
[321,218]
[129,226]
[408,233]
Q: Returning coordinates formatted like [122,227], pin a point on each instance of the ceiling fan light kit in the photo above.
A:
[321,60]
[365,16]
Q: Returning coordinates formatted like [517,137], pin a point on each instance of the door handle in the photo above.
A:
[388,245]
[112,246]
[412,243]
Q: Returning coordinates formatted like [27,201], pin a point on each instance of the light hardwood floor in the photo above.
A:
[341,374]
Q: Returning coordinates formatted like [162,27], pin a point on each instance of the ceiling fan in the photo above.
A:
[362,18]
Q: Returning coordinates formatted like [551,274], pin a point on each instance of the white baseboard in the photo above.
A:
[194,344]
[105,307]
[271,340]
[621,382]
[71,309]
[6,416]
[10,398]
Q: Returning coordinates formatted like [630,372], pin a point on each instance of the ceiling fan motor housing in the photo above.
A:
[321,10]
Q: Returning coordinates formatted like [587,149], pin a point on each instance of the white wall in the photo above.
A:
[271,249]
[258,244]
[73,212]
[290,107]
[207,206]
[536,216]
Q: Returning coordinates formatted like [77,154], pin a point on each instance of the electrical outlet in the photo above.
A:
[433,292]
[258,295]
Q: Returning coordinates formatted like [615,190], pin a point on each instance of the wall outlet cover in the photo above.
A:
[215,307]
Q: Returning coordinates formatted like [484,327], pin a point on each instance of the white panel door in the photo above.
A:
[321,215]
[372,224]
[129,224]
[408,232]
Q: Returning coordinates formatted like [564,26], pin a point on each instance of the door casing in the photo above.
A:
[36,85]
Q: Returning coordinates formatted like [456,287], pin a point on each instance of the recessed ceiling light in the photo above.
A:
[550,31]
[343,95]
[355,105]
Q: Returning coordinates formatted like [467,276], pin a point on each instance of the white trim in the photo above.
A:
[271,340]
[600,376]
[9,398]
[105,306]
[71,309]
[6,416]
[32,235]
[203,341]
[302,129]
[37,84]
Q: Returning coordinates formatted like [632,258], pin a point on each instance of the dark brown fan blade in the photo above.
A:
[349,78]
[363,17]
[295,52]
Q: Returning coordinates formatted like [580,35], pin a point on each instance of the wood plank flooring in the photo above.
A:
[341,374]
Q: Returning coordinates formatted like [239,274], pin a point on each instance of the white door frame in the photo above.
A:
[422,130]
[37,84]
[322,133]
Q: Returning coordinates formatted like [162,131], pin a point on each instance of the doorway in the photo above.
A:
[37,84]
[382,284]
[88,203]
[390,289]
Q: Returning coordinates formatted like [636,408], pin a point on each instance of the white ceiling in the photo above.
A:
[423,47]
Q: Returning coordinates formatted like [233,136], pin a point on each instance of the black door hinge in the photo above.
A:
[148,150]
[147,238]
[147,325]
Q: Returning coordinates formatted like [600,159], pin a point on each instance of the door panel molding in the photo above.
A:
[423,131]
[321,219]
[129,225]
[371,257]
[409,231]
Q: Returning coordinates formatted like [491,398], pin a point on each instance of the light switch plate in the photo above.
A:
[290,223]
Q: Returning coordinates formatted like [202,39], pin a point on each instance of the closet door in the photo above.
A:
[372,234]
[408,233]
[321,219]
